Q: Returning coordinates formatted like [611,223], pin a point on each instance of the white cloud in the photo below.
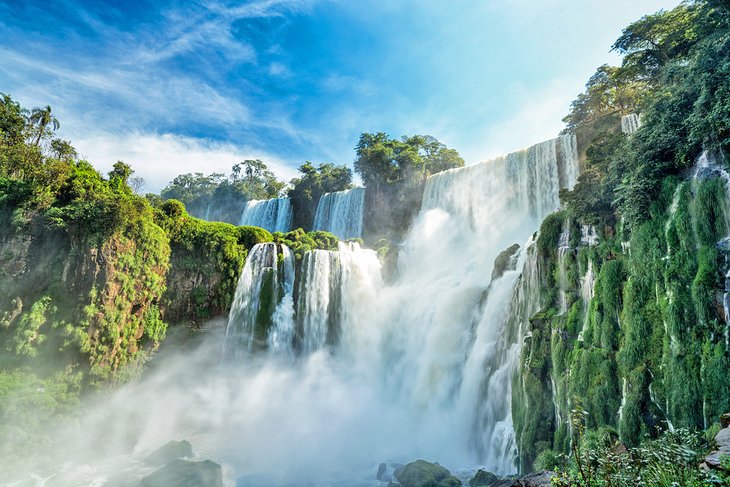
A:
[159,158]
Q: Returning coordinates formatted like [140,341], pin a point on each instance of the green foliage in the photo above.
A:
[220,197]
[300,241]
[209,253]
[599,460]
[308,188]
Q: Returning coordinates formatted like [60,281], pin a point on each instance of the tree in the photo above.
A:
[137,184]
[42,118]
[653,41]
[307,189]
[120,174]
[255,181]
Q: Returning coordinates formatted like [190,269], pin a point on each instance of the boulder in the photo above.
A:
[425,474]
[169,452]
[539,479]
[723,448]
[483,479]
[382,468]
[182,473]
[505,261]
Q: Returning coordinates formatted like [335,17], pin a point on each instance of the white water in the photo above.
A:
[588,235]
[264,275]
[587,291]
[341,213]
[563,250]
[275,215]
[630,123]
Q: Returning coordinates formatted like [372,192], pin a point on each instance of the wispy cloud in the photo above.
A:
[153,155]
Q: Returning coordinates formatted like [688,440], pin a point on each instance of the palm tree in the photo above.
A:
[42,117]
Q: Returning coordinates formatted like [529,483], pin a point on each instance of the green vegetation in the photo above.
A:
[649,347]
[91,274]
[220,197]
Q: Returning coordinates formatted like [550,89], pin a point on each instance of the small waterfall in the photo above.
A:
[630,123]
[281,334]
[587,291]
[588,235]
[341,213]
[707,165]
[257,309]
[563,250]
[275,215]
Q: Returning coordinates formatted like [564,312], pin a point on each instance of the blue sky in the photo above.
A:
[195,86]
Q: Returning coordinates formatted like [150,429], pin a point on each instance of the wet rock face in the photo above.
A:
[182,473]
[723,446]
[483,479]
[172,450]
[424,474]
[539,479]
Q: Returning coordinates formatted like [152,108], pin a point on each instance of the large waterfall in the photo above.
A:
[341,213]
[275,215]
[423,366]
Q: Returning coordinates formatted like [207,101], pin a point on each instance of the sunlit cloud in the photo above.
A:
[152,156]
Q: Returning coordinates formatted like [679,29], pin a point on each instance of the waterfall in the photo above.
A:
[275,215]
[588,235]
[630,123]
[451,350]
[587,291]
[421,367]
[341,213]
[563,250]
[264,287]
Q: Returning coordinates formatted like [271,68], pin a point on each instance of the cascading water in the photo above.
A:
[262,293]
[422,367]
[563,250]
[450,340]
[630,123]
[587,291]
[341,213]
[275,215]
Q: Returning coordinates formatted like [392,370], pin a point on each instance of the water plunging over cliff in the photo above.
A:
[341,213]
[630,123]
[429,358]
[275,215]
[258,315]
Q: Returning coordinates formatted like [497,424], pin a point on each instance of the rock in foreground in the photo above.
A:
[169,452]
[182,473]
[483,479]
[424,474]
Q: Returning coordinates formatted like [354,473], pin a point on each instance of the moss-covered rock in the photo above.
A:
[425,474]
[483,479]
